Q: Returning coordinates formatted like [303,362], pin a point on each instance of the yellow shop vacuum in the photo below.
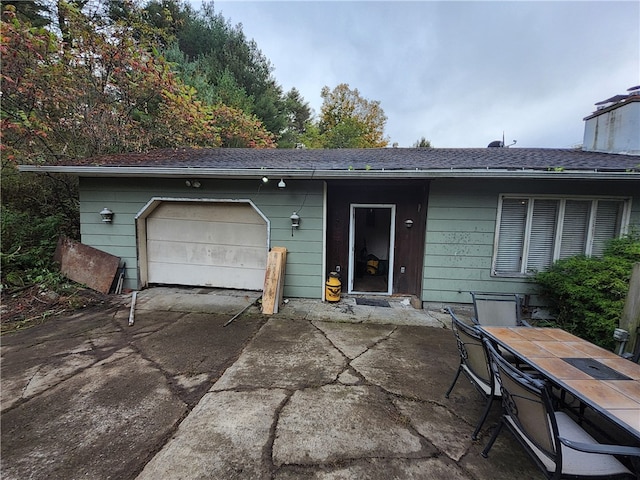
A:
[333,287]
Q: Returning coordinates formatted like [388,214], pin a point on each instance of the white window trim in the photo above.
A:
[530,198]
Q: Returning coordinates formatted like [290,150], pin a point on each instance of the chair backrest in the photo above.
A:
[527,406]
[471,349]
[497,309]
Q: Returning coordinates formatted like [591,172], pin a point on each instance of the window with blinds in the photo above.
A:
[533,232]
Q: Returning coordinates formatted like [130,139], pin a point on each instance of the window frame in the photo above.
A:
[558,229]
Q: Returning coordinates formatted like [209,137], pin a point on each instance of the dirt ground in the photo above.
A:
[25,307]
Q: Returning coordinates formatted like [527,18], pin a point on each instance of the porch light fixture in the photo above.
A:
[281,184]
[107,215]
[265,179]
[295,221]
[408,223]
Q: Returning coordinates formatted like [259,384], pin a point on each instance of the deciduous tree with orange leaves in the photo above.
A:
[347,120]
[107,92]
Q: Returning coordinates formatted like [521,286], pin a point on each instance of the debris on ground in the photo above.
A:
[32,305]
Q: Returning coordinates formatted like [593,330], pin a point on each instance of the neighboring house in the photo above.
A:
[431,223]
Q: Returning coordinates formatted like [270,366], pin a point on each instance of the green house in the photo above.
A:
[424,222]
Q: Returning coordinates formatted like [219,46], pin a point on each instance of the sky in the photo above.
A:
[458,73]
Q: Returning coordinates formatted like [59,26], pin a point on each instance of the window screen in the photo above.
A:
[574,228]
[510,243]
[534,232]
[608,220]
[543,227]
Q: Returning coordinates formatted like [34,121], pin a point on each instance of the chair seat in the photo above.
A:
[575,462]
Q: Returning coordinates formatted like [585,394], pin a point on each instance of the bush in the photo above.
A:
[587,294]
[28,245]
[36,211]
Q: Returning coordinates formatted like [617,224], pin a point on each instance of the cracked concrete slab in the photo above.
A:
[94,417]
[353,339]
[223,302]
[348,422]
[347,311]
[293,395]
[284,354]
[438,425]
[196,333]
[507,461]
[226,436]
[349,377]
[40,377]
[405,362]
[374,468]
[103,396]
[33,366]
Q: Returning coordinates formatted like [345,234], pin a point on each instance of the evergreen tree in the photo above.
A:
[422,143]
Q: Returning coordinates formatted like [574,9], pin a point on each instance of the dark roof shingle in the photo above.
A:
[370,159]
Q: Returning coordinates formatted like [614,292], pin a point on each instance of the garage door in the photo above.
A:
[207,244]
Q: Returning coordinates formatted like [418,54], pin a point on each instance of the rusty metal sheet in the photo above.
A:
[87,265]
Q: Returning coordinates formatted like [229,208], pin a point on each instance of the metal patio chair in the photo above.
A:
[474,363]
[497,309]
[558,445]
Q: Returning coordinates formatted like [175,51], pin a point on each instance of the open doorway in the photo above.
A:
[371,237]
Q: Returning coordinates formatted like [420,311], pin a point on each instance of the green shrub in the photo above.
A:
[627,247]
[36,211]
[28,245]
[587,294]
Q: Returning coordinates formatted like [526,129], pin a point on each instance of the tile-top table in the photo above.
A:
[601,379]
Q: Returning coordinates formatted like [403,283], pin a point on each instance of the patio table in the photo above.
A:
[602,380]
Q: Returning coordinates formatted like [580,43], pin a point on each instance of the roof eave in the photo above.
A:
[203,172]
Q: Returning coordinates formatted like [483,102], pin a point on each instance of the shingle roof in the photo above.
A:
[381,163]
[421,159]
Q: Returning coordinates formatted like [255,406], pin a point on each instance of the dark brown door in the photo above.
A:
[410,200]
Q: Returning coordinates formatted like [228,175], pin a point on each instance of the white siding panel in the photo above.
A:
[210,244]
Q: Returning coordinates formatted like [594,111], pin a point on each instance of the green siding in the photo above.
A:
[126,198]
[461,218]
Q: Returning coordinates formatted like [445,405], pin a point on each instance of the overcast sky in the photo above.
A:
[457,73]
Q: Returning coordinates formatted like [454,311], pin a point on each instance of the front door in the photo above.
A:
[371,247]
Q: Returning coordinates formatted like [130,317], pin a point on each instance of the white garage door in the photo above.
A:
[207,244]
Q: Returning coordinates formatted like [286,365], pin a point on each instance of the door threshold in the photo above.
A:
[384,294]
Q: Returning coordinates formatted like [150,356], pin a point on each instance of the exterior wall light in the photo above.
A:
[107,215]
[265,179]
[281,184]
[408,223]
[193,183]
[295,220]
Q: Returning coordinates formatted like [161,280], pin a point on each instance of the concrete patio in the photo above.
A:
[317,390]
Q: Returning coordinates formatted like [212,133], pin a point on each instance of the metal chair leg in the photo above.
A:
[474,435]
[455,379]
[485,452]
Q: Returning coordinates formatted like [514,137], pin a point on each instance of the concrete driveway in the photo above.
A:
[325,391]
